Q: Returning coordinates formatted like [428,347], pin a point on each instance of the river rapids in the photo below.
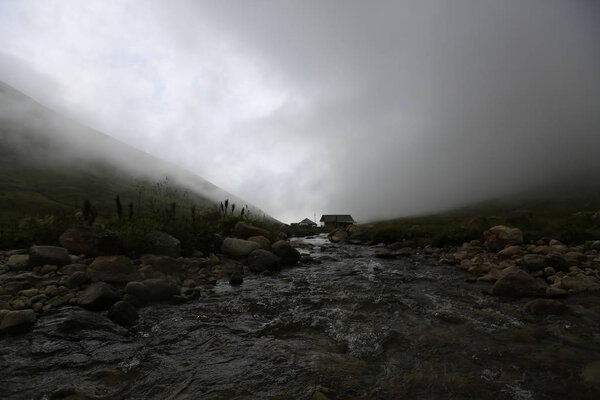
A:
[352,327]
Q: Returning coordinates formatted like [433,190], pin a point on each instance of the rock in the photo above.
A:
[519,284]
[500,236]
[236,279]
[164,244]
[209,215]
[123,313]
[92,242]
[580,283]
[18,262]
[238,248]
[263,241]
[244,230]
[138,289]
[160,289]
[260,260]
[557,261]
[338,236]
[113,269]
[48,269]
[511,251]
[164,264]
[542,249]
[29,292]
[98,296]
[76,279]
[16,321]
[40,255]
[553,292]
[532,262]
[545,307]
[287,254]
[72,268]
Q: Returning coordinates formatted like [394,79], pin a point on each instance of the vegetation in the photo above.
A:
[570,221]
[159,206]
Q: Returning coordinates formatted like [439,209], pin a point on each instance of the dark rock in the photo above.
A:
[164,244]
[581,283]
[557,261]
[160,289]
[338,236]
[260,260]
[545,307]
[511,251]
[236,279]
[76,279]
[113,269]
[98,296]
[385,254]
[519,284]
[123,313]
[263,241]
[500,236]
[16,321]
[238,248]
[40,255]
[139,290]
[77,321]
[92,242]
[286,253]
[532,262]
[71,268]
[164,264]
[244,230]
[18,262]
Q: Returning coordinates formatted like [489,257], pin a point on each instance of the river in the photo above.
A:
[352,327]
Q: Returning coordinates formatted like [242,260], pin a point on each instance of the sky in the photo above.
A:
[377,109]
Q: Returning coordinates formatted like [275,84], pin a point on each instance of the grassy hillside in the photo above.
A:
[565,211]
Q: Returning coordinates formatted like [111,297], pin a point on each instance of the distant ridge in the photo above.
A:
[49,162]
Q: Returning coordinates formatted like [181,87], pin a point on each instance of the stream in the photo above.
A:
[351,327]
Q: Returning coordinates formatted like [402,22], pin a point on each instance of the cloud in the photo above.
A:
[338,107]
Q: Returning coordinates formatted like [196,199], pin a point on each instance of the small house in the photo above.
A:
[307,222]
[337,220]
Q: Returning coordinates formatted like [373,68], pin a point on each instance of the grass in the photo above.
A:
[568,220]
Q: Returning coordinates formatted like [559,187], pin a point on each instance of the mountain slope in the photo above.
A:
[50,163]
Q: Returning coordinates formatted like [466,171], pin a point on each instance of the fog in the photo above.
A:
[378,110]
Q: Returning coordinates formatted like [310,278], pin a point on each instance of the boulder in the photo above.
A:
[511,251]
[16,321]
[532,262]
[138,289]
[557,261]
[545,307]
[123,313]
[580,283]
[76,279]
[338,236]
[160,289]
[40,255]
[164,244]
[244,230]
[92,242]
[164,264]
[18,262]
[519,284]
[98,296]
[72,268]
[500,236]
[287,254]
[260,260]
[236,279]
[238,248]
[113,269]
[263,241]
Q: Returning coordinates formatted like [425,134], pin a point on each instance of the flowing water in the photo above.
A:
[352,327]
